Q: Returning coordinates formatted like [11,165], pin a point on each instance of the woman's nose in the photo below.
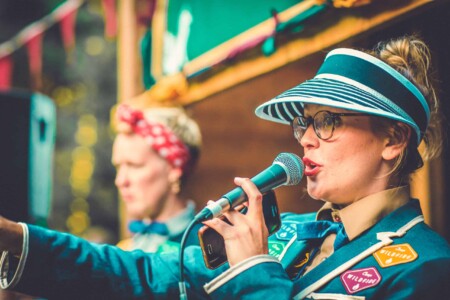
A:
[309,138]
[121,178]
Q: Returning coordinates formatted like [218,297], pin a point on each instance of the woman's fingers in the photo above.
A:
[253,194]
[218,225]
[245,235]
[234,216]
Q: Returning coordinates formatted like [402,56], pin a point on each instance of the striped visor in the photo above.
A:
[356,81]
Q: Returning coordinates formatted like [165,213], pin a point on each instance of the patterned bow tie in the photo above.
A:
[145,228]
[321,229]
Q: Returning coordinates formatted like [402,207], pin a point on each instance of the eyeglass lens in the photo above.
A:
[323,123]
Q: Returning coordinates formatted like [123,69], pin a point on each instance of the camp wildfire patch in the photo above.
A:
[395,255]
[276,248]
[361,279]
[287,231]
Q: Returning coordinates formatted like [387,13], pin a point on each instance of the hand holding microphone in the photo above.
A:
[286,169]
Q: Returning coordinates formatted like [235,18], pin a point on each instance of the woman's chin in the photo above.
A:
[314,192]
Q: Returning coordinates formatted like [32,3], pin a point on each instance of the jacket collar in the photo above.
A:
[366,212]
[387,227]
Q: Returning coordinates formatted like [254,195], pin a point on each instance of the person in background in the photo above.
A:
[154,152]
[359,121]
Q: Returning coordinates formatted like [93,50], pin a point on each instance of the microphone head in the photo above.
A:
[293,165]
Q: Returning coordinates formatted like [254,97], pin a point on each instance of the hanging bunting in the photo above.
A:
[31,36]
[6,66]
[67,27]
[109,9]
[34,49]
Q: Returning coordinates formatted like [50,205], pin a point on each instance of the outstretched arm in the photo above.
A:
[11,236]
[61,266]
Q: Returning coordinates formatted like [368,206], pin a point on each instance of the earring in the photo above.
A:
[176,186]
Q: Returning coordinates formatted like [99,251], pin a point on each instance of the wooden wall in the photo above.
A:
[237,143]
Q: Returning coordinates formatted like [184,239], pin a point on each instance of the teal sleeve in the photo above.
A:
[62,266]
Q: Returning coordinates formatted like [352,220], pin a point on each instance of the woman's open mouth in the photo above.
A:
[311,168]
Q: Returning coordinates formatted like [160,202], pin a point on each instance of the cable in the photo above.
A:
[181,283]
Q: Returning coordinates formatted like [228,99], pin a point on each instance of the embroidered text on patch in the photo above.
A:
[394,255]
[287,231]
[360,279]
[276,248]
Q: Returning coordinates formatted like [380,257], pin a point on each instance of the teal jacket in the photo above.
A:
[398,258]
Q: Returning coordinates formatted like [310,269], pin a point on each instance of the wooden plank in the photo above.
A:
[128,68]
[127,61]
[158,28]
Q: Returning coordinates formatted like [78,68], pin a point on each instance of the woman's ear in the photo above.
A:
[397,140]
[175,174]
[175,179]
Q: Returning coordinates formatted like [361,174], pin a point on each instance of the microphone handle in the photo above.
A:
[267,180]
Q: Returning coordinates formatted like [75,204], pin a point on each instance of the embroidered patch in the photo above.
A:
[287,231]
[394,255]
[276,248]
[360,279]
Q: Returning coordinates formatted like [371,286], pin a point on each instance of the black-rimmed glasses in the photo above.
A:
[324,123]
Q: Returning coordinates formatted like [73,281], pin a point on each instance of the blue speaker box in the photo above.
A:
[27,140]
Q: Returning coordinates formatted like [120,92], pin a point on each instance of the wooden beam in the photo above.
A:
[159,23]
[128,75]
[127,69]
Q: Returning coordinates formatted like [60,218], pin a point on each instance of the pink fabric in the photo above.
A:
[34,47]
[67,26]
[158,136]
[109,8]
[6,66]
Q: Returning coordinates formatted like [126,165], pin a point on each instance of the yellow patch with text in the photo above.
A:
[395,255]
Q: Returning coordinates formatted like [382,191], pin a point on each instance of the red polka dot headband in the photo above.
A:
[157,135]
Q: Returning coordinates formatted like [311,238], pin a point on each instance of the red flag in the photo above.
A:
[67,26]
[34,47]
[109,9]
[6,65]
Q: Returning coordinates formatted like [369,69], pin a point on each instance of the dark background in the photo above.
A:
[84,88]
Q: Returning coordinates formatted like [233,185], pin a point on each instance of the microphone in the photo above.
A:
[286,169]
